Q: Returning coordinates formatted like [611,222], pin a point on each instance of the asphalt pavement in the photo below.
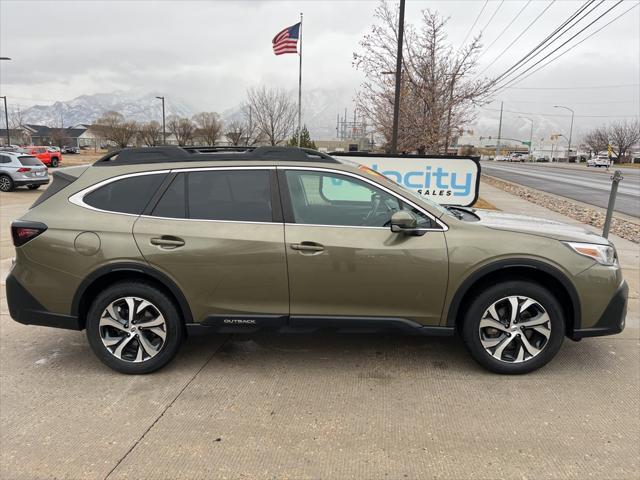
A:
[316,406]
[575,181]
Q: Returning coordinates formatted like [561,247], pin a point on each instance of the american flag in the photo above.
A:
[286,41]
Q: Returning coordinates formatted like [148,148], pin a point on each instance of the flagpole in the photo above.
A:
[300,87]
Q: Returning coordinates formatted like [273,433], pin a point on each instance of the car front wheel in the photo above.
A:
[514,327]
[134,328]
[54,162]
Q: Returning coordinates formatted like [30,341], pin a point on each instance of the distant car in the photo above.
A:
[599,161]
[516,157]
[500,158]
[18,169]
[72,150]
[542,160]
[46,155]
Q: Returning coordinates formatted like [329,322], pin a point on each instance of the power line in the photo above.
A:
[519,78]
[517,38]
[474,24]
[561,114]
[578,88]
[549,39]
[504,29]
[492,16]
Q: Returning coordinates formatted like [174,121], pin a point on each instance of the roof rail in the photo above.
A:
[172,153]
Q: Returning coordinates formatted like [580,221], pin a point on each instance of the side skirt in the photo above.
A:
[308,324]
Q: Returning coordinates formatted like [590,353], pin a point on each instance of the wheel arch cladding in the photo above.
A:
[546,275]
[107,275]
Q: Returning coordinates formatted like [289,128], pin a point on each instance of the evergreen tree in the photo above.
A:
[305,139]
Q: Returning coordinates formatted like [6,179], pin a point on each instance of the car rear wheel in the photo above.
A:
[514,327]
[54,162]
[33,187]
[134,328]
[6,184]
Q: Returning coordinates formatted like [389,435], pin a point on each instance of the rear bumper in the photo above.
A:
[25,309]
[34,181]
[612,320]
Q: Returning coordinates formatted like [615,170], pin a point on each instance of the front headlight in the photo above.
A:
[603,254]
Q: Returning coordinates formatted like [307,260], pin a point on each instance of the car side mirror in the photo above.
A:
[404,222]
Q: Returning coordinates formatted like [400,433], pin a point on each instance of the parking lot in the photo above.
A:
[313,406]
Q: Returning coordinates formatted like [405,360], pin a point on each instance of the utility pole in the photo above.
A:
[499,132]
[164,130]
[396,101]
[446,142]
[6,119]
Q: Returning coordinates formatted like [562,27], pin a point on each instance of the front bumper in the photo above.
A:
[612,320]
[25,309]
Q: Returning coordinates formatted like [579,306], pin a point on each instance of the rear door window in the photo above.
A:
[128,195]
[231,195]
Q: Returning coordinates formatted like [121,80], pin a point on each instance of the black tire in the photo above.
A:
[54,162]
[521,288]
[6,183]
[33,187]
[164,305]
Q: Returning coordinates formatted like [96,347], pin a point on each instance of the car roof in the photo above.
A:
[173,154]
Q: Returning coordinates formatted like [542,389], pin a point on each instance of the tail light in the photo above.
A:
[23,232]
[24,169]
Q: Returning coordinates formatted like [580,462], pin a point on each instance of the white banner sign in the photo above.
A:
[448,181]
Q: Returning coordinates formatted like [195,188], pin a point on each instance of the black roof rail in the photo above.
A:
[172,153]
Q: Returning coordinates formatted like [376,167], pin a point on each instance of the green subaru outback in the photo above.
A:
[148,245]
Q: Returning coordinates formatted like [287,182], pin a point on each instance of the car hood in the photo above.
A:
[538,226]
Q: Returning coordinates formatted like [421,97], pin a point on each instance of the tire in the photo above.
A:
[54,162]
[126,352]
[6,184]
[519,347]
[33,187]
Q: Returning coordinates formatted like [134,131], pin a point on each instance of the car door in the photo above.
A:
[344,262]
[218,233]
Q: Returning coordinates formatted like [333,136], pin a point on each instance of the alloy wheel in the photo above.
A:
[5,184]
[132,329]
[515,329]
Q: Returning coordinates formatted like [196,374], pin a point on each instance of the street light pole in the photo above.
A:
[164,131]
[570,129]
[6,120]
[530,134]
[396,101]
[6,112]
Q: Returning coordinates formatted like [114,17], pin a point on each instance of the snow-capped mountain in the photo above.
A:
[87,108]
[319,109]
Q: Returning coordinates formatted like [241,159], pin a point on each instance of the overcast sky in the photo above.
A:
[208,52]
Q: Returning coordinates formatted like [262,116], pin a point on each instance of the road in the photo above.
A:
[588,185]
[322,406]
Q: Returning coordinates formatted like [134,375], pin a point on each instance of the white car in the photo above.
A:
[599,161]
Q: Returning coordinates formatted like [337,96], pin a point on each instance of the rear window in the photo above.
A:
[30,161]
[129,195]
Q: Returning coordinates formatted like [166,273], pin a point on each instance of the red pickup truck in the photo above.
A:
[46,155]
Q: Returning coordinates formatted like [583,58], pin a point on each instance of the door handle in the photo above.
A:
[167,241]
[307,247]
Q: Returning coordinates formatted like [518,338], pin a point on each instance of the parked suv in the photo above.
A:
[18,169]
[148,245]
[46,155]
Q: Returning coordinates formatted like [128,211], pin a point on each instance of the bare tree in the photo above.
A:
[182,128]
[209,126]
[113,127]
[622,136]
[438,91]
[597,139]
[151,133]
[273,112]
[59,137]
[235,132]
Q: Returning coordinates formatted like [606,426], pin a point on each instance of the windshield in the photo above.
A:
[424,198]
